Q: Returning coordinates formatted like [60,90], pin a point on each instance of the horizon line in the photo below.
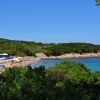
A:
[47,42]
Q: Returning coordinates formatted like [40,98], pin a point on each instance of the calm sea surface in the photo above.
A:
[91,63]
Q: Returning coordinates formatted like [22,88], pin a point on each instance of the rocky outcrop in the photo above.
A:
[41,56]
[75,55]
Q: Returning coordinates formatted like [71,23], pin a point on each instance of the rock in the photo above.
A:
[41,55]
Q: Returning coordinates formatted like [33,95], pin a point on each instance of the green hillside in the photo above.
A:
[22,48]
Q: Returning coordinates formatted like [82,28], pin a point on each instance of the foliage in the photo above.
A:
[65,81]
[23,48]
[97,2]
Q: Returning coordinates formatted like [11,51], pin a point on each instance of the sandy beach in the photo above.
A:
[28,60]
[24,62]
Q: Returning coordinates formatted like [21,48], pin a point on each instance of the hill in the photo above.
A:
[23,48]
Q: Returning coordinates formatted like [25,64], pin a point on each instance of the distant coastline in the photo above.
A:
[29,60]
[41,56]
[75,55]
[32,52]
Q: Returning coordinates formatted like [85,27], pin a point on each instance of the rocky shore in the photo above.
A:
[75,55]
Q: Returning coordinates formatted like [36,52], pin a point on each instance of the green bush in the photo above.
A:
[65,81]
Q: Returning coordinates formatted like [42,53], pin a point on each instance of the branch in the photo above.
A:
[97,2]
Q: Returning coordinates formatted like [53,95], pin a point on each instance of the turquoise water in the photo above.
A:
[91,63]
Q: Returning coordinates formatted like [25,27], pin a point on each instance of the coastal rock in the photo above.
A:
[41,56]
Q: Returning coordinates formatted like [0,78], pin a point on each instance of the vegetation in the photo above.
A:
[22,48]
[65,81]
[97,2]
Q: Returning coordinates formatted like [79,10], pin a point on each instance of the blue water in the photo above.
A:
[91,63]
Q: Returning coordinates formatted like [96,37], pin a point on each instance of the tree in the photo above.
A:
[97,2]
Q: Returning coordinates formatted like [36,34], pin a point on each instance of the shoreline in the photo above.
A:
[75,55]
[32,60]
[29,60]
[23,63]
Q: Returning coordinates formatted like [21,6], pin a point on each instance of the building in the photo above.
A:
[16,59]
[4,56]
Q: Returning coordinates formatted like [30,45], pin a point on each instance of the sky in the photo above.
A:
[50,21]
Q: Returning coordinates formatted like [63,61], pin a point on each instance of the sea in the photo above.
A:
[92,63]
